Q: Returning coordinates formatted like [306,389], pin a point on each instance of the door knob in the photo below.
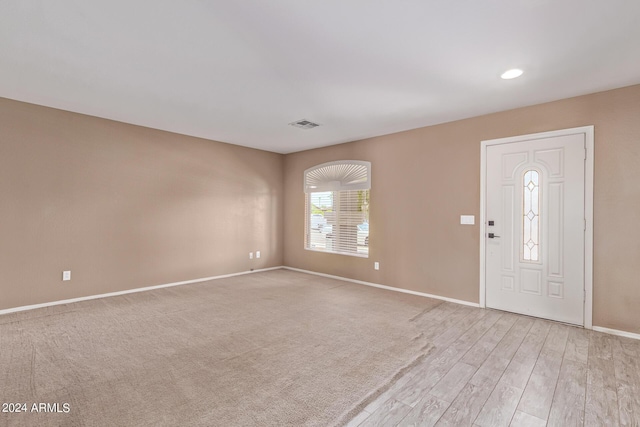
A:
[493,236]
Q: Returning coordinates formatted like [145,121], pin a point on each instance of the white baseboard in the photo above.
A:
[456,301]
[617,332]
[204,279]
[389,288]
[130,291]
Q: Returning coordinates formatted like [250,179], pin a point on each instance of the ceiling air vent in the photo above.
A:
[304,124]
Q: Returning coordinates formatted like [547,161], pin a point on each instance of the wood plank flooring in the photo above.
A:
[491,368]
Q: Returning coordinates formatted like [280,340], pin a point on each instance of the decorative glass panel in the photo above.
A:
[531,216]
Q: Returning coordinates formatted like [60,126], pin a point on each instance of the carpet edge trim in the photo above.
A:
[383,388]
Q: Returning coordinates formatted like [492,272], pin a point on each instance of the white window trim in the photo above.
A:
[337,253]
[363,182]
[336,185]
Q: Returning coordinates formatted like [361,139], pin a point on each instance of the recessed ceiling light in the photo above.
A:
[511,74]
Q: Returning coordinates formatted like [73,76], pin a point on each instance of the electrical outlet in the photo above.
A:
[66,275]
[250,255]
[376,265]
[257,254]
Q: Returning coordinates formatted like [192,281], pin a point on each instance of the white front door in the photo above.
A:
[535,222]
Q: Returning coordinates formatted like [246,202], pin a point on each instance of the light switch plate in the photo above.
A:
[66,275]
[467,219]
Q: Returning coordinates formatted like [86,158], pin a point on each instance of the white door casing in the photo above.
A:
[536,257]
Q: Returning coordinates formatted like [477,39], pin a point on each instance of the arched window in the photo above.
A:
[337,207]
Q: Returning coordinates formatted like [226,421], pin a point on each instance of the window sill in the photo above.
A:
[337,253]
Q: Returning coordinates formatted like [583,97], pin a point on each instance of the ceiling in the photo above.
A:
[240,71]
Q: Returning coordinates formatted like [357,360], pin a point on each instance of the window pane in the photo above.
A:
[530,216]
[338,221]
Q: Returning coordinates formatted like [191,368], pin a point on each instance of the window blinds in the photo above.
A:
[337,207]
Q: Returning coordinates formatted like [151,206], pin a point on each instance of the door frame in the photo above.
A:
[588,132]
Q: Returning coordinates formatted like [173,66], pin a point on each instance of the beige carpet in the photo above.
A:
[267,349]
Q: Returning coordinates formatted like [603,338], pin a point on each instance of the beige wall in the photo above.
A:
[424,179]
[124,207]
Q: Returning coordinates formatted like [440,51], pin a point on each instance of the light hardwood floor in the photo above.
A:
[491,368]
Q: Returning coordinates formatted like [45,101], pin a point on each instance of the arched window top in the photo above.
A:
[342,175]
